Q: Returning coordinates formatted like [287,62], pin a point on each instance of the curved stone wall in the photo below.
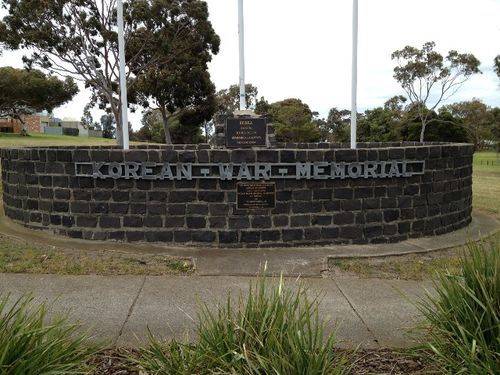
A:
[53,189]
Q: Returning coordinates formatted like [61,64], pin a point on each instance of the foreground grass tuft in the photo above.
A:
[30,346]
[464,316]
[275,330]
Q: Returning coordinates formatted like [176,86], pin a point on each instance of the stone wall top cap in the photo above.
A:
[245,112]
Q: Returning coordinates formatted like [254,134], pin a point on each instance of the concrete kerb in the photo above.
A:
[482,226]
[297,261]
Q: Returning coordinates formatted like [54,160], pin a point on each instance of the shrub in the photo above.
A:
[464,314]
[29,345]
[71,131]
[274,331]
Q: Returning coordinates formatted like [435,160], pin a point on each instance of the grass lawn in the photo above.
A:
[21,257]
[37,139]
[486,182]
[404,267]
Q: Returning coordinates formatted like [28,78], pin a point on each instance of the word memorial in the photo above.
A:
[250,171]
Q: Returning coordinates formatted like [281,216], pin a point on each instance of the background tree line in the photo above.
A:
[168,47]
[397,120]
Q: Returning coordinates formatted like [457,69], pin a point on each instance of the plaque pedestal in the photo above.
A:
[221,131]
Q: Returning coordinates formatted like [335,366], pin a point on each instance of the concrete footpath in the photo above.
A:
[372,313]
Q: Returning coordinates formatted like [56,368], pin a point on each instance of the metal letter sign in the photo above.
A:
[250,171]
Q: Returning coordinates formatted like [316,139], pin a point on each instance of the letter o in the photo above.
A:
[354,170]
[115,170]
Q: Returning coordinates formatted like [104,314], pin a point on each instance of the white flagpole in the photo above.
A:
[123,78]
[354,87]
[241,32]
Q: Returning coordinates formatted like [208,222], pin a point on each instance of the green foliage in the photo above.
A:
[187,126]
[294,121]
[495,131]
[151,129]
[464,315]
[24,92]
[31,346]
[108,126]
[87,120]
[274,331]
[470,121]
[378,125]
[262,107]
[228,100]
[168,46]
[476,118]
[383,124]
[496,65]
[443,127]
[424,72]
[179,81]
[71,132]
[3,30]
[336,127]
[71,38]
[184,128]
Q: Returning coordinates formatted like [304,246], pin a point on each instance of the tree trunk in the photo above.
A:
[24,129]
[205,124]
[118,121]
[16,116]
[422,132]
[164,116]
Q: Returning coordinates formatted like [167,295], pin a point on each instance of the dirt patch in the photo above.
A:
[114,362]
[363,362]
[387,361]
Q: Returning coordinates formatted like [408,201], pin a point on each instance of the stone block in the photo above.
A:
[196,222]
[292,234]
[109,221]
[203,236]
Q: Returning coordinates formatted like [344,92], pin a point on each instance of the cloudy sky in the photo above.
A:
[302,48]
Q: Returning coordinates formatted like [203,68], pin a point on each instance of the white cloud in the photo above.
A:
[298,48]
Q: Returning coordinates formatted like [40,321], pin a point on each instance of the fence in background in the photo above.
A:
[489,162]
[52,130]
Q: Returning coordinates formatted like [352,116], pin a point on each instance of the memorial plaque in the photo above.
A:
[245,132]
[255,195]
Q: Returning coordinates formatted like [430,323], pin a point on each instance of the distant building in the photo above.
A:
[66,123]
[34,123]
[9,125]
[44,123]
